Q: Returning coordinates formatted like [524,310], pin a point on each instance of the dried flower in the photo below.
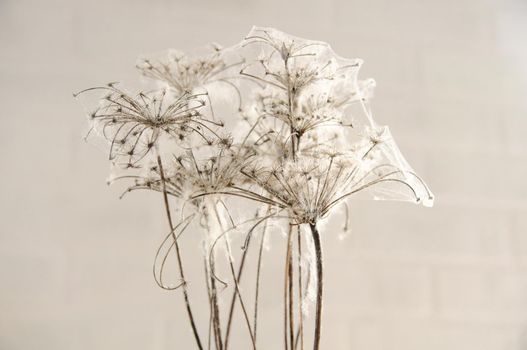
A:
[182,72]
[133,125]
[187,177]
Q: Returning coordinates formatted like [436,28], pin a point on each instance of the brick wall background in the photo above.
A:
[452,85]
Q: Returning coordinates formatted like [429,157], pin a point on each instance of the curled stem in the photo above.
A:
[178,255]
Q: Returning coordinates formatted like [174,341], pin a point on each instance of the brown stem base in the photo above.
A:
[320,285]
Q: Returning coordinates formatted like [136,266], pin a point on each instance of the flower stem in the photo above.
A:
[178,255]
[320,284]
[290,99]
[300,294]
[287,296]
[235,293]
[216,312]
[235,280]
[257,288]
[290,289]
[211,314]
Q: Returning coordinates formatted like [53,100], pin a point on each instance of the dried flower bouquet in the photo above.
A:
[272,133]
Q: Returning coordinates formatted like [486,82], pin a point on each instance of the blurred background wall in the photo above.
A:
[75,262]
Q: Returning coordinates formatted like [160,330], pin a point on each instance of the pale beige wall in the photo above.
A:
[452,84]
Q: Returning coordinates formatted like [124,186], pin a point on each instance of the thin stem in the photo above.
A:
[159,278]
[211,313]
[178,255]
[300,294]
[233,299]
[258,272]
[286,289]
[290,97]
[242,304]
[216,311]
[236,285]
[320,284]
[210,263]
[290,288]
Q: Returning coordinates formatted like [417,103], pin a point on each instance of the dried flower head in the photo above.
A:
[188,178]
[182,72]
[309,113]
[301,84]
[133,125]
[310,186]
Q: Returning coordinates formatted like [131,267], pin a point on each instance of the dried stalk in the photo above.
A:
[286,290]
[233,298]
[320,284]
[290,289]
[258,272]
[300,294]
[211,312]
[216,312]
[178,255]
[236,285]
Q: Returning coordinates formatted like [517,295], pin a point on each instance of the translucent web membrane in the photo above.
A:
[293,88]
